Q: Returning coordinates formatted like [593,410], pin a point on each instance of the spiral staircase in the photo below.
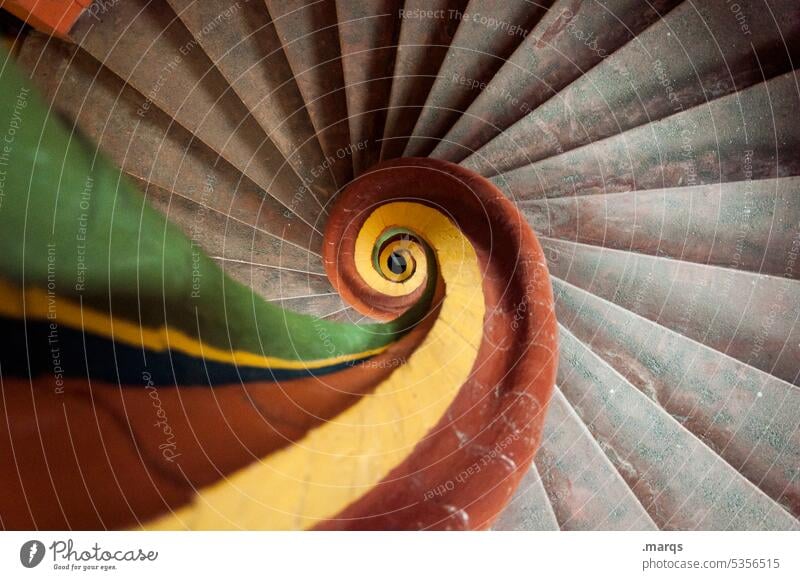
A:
[653,147]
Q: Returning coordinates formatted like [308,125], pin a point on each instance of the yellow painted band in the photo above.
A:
[35,304]
[336,463]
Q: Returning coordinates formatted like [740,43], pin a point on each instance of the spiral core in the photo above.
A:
[481,378]
[442,440]
[265,418]
[226,311]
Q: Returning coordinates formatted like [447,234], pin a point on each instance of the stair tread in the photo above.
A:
[241,41]
[147,46]
[669,68]
[584,487]
[529,509]
[152,148]
[746,135]
[476,52]
[368,39]
[309,34]
[745,225]
[219,235]
[651,147]
[746,416]
[751,317]
[681,482]
[296,290]
[569,40]
[421,48]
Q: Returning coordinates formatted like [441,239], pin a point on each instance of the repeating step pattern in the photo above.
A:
[653,147]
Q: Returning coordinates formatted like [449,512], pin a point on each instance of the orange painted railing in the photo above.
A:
[51,16]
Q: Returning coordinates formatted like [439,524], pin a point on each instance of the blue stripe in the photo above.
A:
[70,353]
